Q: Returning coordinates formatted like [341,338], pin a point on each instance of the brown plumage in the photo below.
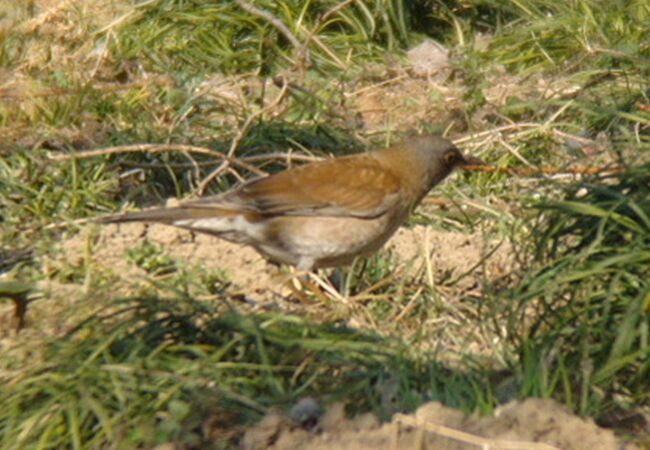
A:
[321,214]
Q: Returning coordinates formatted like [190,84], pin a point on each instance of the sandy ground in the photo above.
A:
[532,424]
[449,254]
[419,253]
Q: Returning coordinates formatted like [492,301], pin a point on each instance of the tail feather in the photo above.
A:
[165,215]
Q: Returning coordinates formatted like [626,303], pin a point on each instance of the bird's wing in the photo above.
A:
[356,186]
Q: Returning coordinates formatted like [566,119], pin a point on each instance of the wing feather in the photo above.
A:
[355,186]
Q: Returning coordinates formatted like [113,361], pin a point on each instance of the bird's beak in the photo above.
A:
[469,160]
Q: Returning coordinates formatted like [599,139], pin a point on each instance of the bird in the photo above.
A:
[321,214]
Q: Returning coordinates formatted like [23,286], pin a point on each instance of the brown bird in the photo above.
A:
[321,214]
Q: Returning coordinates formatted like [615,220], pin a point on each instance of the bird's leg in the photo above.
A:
[342,279]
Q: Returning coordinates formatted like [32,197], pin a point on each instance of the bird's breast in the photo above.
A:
[329,241]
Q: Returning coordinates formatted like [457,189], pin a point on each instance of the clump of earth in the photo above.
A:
[534,423]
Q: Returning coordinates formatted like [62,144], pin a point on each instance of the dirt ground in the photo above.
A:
[531,424]
[450,254]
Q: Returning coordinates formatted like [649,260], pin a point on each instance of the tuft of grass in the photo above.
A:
[598,59]
[36,194]
[151,258]
[181,35]
[580,323]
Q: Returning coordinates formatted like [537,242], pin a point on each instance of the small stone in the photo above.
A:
[429,57]
[306,411]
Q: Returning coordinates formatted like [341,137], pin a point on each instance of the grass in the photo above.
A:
[594,247]
[150,370]
[113,361]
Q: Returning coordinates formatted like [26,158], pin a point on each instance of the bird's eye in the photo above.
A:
[450,157]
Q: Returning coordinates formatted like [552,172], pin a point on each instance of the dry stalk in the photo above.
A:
[515,127]
[157,148]
[322,20]
[245,162]
[239,137]
[375,86]
[477,441]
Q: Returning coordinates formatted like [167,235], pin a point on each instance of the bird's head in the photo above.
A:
[437,156]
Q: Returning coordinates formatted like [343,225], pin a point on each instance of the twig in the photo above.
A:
[288,156]
[409,306]
[102,56]
[558,113]
[527,126]
[240,135]
[295,88]
[329,52]
[523,128]
[155,148]
[148,148]
[235,174]
[242,162]
[67,223]
[375,86]
[513,151]
[568,136]
[327,287]
[333,10]
[124,17]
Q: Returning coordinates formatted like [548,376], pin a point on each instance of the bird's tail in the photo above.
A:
[153,215]
[165,215]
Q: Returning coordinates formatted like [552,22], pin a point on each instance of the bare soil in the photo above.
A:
[417,252]
[531,424]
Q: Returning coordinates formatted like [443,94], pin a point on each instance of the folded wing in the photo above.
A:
[356,186]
